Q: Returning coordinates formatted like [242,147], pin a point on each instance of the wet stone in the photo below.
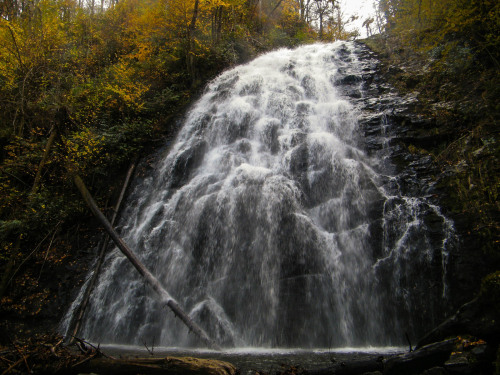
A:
[435,371]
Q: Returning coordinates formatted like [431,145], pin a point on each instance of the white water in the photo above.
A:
[268,221]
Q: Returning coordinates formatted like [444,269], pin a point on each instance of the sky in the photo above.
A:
[362,8]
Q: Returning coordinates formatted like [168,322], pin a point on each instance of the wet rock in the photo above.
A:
[302,108]
[392,70]
[353,93]
[472,357]
[244,146]
[186,162]
[308,85]
[270,137]
[350,80]
[435,371]
[458,363]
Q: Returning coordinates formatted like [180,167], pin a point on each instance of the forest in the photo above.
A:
[87,88]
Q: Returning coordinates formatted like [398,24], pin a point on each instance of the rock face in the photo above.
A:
[422,132]
[392,124]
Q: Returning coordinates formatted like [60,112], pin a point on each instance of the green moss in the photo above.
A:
[376,43]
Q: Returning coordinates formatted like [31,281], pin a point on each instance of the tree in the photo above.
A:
[367,23]
[323,11]
[474,22]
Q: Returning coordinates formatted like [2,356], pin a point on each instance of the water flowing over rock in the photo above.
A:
[277,218]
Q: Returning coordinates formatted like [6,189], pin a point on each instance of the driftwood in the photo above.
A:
[76,320]
[139,266]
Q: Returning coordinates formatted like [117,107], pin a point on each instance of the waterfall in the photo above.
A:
[274,222]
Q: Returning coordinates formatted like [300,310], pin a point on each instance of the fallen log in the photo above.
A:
[46,355]
[165,366]
[139,266]
[424,358]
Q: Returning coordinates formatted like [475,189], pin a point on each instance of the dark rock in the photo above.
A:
[458,364]
[350,80]
[352,93]
[435,371]
[186,162]
[465,361]
[271,137]
[392,70]
[308,85]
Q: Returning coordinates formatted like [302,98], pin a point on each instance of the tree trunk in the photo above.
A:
[190,51]
[165,366]
[276,7]
[139,266]
[321,26]
[45,156]
[8,272]
[219,23]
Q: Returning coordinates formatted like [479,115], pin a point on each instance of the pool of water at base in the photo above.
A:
[251,360]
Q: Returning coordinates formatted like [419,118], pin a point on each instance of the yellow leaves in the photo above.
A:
[10,58]
[123,88]
[82,149]
[143,53]
[475,22]
[119,89]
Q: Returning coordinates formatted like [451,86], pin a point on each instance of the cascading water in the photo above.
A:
[270,222]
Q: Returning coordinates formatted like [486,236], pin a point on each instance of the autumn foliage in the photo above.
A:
[473,25]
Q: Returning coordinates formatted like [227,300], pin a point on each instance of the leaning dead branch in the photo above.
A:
[141,268]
